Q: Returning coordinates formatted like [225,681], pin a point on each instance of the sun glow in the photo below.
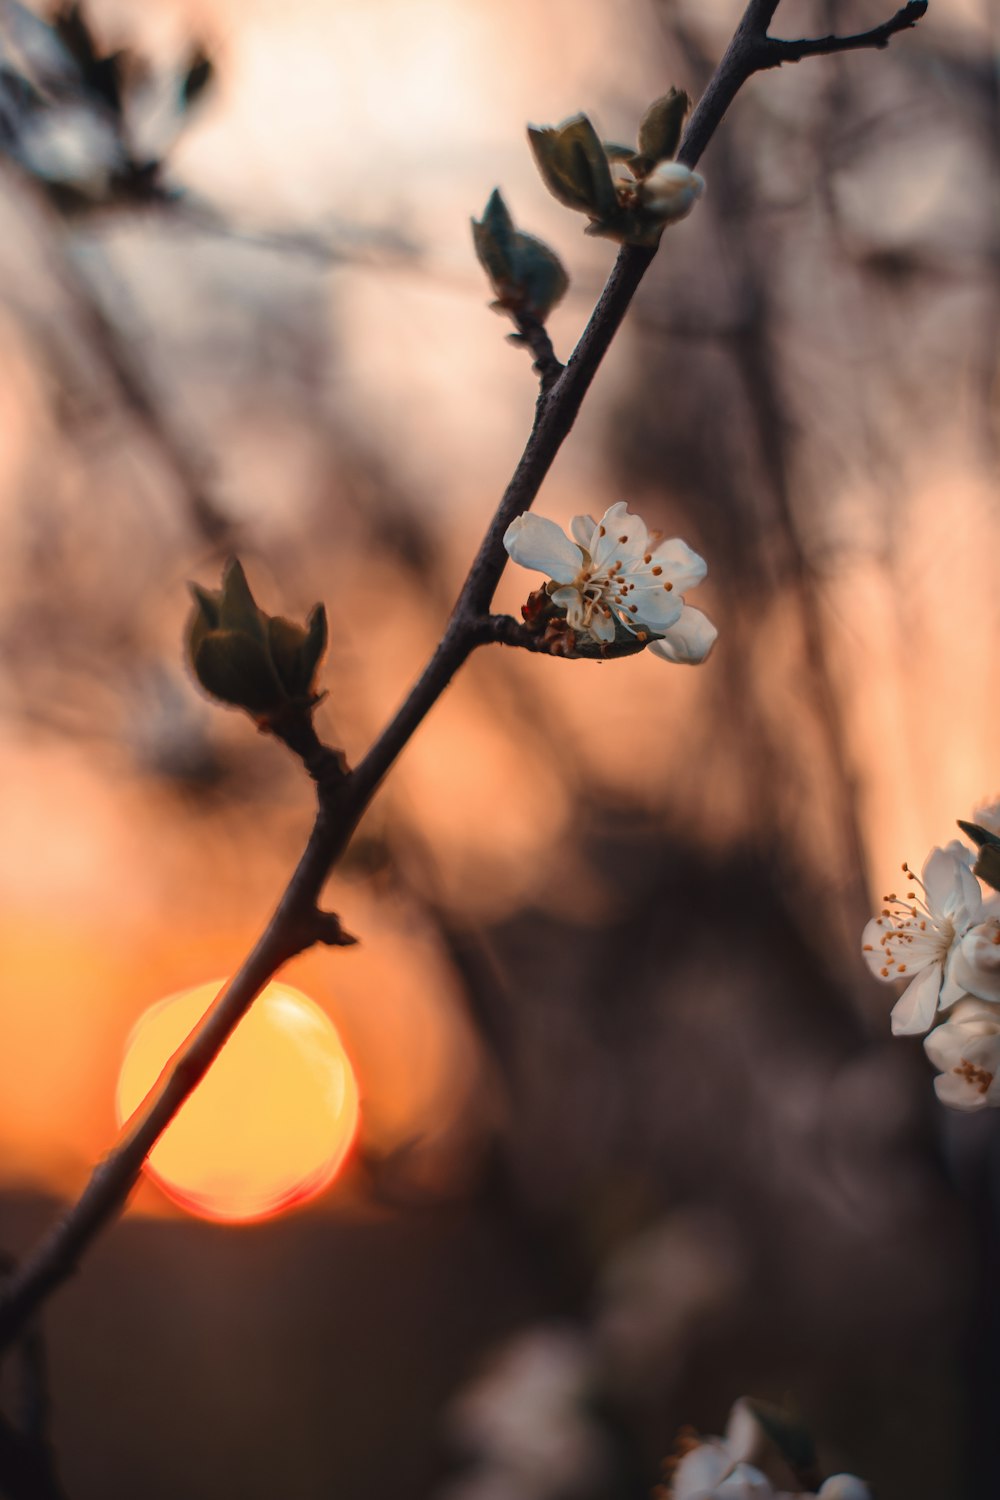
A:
[269,1126]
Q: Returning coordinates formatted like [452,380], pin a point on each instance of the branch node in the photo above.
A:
[326,766]
[325,928]
[535,336]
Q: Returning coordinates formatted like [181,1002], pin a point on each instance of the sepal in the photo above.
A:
[574,166]
[987,865]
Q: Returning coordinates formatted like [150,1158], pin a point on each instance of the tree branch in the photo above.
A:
[535,336]
[821,46]
[344,795]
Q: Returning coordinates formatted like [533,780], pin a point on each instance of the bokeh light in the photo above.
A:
[272,1122]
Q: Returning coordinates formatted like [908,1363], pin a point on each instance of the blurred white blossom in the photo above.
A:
[526,1422]
[749,1463]
[915,938]
[709,1470]
[617,571]
[966,1051]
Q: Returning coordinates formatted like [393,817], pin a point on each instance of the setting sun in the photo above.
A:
[270,1125]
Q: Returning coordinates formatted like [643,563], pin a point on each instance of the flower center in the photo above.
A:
[913,936]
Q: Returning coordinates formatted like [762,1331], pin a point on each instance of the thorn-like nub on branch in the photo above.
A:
[326,929]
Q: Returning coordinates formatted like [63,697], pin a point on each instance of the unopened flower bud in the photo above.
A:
[670,191]
[258,662]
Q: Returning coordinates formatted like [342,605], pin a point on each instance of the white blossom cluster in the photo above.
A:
[618,573]
[747,1464]
[943,937]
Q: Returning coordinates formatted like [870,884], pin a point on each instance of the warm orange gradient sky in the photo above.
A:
[393,114]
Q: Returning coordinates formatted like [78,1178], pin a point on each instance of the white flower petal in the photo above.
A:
[689,641]
[619,535]
[941,875]
[583,528]
[916,1007]
[967,1051]
[951,990]
[956,1093]
[843,1487]
[699,1470]
[602,626]
[655,607]
[571,600]
[680,563]
[975,963]
[710,1473]
[960,851]
[671,190]
[967,907]
[536,542]
[871,946]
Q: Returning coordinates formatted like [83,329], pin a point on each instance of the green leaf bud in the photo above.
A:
[493,238]
[262,663]
[661,126]
[317,636]
[237,607]
[237,669]
[526,275]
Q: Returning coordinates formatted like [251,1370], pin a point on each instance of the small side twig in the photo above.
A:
[547,365]
[779,51]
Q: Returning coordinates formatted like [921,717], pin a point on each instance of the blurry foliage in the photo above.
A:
[72,114]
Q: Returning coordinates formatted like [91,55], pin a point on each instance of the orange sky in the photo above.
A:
[404,113]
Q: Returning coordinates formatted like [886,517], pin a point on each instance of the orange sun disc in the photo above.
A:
[269,1125]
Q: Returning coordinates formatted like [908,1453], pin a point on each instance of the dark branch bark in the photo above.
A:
[535,336]
[343,796]
[779,52]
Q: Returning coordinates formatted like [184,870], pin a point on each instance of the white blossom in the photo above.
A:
[916,937]
[975,964]
[749,1464]
[671,190]
[616,571]
[843,1487]
[966,1051]
[527,1420]
[710,1470]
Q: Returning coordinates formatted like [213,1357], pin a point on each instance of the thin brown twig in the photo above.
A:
[822,46]
[343,797]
